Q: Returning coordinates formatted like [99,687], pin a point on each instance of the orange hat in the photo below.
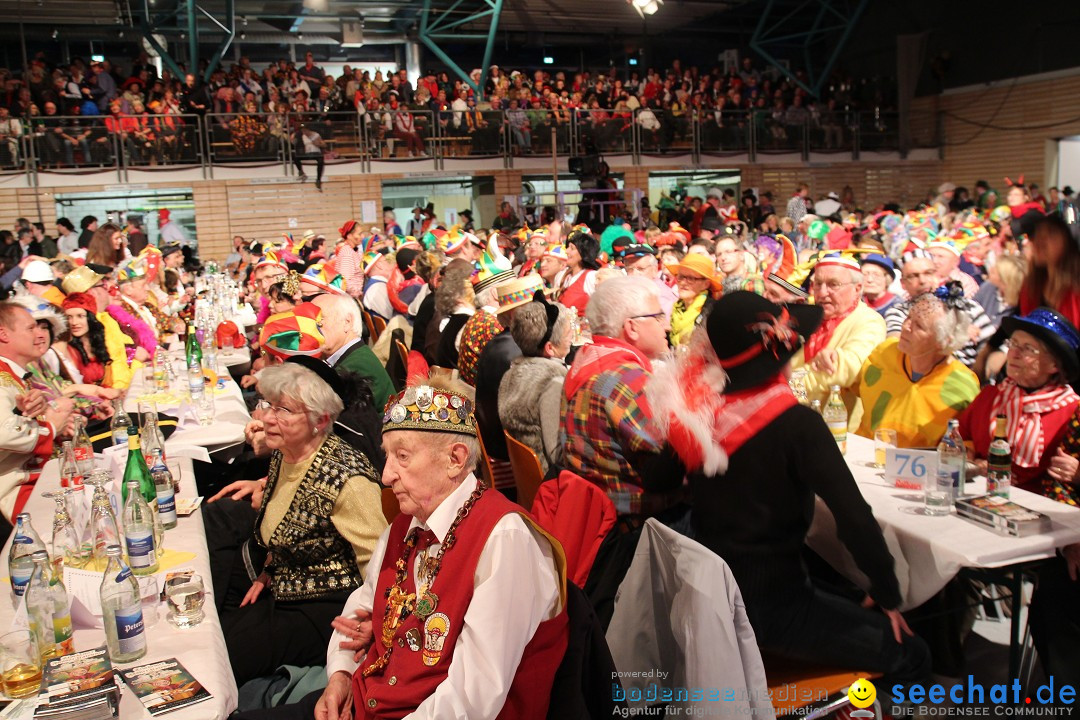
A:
[702,266]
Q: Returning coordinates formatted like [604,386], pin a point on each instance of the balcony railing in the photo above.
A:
[75,144]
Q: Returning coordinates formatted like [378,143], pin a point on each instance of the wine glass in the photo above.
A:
[67,546]
[102,529]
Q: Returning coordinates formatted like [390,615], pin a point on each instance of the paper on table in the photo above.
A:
[81,617]
[20,621]
[195,452]
[85,587]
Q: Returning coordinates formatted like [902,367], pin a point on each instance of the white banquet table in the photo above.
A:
[929,551]
[200,649]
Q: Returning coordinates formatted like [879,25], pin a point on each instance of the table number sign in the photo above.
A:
[909,469]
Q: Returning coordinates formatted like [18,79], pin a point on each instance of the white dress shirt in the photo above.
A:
[516,587]
[336,357]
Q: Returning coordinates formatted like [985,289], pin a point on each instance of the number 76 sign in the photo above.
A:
[909,469]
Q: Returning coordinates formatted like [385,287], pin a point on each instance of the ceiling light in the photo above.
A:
[646,7]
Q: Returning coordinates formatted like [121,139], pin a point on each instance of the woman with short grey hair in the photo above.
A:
[318,521]
[914,384]
[530,394]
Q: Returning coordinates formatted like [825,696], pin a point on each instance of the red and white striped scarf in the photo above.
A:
[1024,411]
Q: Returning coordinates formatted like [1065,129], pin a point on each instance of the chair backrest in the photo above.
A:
[397,362]
[487,473]
[368,324]
[379,326]
[528,474]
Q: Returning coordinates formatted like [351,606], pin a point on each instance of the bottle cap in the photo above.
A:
[113,551]
[23,516]
[39,555]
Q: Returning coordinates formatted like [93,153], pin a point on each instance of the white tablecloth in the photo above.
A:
[201,649]
[928,550]
[230,412]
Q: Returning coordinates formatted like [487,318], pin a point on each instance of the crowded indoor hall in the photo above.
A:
[626,358]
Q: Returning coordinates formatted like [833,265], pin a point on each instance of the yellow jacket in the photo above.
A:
[118,373]
[853,340]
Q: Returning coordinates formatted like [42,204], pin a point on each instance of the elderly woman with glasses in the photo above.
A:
[318,520]
[913,384]
[1035,398]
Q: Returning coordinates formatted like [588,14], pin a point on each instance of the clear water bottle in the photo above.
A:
[836,417]
[152,441]
[20,559]
[196,385]
[209,349]
[70,474]
[951,468]
[120,423]
[166,495]
[121,609]
[39,604]
[48,609]
[139,533]
[84,450]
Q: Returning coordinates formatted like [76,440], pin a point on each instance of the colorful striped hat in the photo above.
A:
[519,291]
[556,251]
[295,332]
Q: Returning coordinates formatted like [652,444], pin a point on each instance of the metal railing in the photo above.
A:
[76,144]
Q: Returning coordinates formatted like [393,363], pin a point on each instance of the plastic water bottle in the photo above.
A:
[999,462]
[949,478]
[20,559]
[836,418]
[121,609]
[209,349]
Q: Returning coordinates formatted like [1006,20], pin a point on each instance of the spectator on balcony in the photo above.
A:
[10,136]
[132,91]
[520,131]
[225,106]
[310,72]
[166,128]
[405,128]
[484,134]
[142,133]
[796,117]
[247,129]
[309,144]
[193,97]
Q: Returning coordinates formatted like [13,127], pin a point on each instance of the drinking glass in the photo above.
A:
[20,664]
[204,407]
[884,439]
[150,595]
[185,597]
[937,496]
[67,545]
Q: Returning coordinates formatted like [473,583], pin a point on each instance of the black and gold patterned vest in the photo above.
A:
[310,558]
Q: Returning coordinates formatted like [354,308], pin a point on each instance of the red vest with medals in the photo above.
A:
[422,650]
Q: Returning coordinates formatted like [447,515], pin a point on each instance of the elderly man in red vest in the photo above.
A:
[462,613]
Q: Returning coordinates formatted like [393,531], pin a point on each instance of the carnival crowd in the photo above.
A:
[651,371]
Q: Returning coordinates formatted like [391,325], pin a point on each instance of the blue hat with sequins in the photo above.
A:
[1057,333]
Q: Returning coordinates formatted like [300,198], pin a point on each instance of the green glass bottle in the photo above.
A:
[136,470]
[192,349]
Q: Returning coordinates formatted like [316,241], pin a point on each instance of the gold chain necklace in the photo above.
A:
[399,604]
